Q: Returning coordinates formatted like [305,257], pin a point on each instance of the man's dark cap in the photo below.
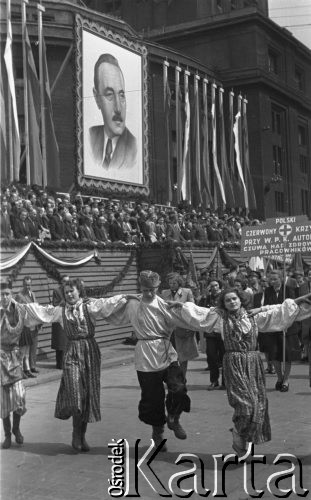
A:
[255,273]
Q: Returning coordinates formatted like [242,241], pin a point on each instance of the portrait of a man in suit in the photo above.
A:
[113,147]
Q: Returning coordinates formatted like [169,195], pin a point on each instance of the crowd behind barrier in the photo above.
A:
[31,214]
[34,214]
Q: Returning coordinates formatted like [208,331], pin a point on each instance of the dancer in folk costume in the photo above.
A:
[242,363]
[79,392]
[12,389]
[156,360]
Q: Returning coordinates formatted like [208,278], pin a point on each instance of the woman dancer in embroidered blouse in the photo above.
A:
[12,390]
[242,364]
[79,392]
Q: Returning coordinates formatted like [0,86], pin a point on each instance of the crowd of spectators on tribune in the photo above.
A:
[34,214]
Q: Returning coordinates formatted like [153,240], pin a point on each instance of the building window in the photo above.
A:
[276,122]
[305,201]
[299,78]
[279,201]
[219,6]
[302,135]
[273,62]
[303,163]
[277,160]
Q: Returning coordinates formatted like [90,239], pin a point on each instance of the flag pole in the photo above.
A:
[284,297]
[24,3]
[41,9]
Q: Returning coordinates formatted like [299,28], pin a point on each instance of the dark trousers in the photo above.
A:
[215,352]
[151,408]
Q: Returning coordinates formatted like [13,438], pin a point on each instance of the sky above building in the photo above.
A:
[295,15]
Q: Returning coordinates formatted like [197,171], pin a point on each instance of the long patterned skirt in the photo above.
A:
[79,391]
[13,398]
[246,390]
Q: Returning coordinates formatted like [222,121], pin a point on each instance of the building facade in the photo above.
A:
[232,43]
[250,54]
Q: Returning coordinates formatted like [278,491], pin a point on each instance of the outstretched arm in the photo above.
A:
[193,317]
[304,299]
[278,317]
[113,309]
[35,315]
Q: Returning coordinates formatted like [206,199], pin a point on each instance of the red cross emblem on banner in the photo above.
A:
[285,230]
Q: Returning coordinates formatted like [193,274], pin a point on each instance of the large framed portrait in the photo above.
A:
[112,103]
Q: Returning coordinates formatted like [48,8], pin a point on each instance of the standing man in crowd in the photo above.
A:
[259,301]
[214,344]
[113,146]
[59,338]
[184,341]
[274,294]
[5,222]
[29,337]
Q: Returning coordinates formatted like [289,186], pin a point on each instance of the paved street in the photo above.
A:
[45,467]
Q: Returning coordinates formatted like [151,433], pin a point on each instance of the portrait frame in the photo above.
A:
[130,53]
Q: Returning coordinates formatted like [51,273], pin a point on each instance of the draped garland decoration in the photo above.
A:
[6,263]
[49,267]
[172,258]
[181,262]
[101,291]
[12,261]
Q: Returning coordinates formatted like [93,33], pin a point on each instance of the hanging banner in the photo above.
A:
[283,236]
[185,171]
[167,112]
[214,145]
[206,173]
[178,99]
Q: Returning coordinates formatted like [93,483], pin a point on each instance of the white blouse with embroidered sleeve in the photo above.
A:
[281,316]
[104,308]
[199,318]
[36,314]
[97,308]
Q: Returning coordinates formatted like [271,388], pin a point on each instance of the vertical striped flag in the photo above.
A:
[206,174]
[196,178]
[167,113]
[214,146]
[33,102]
[185,171]
[236,181]
[178,130]
[247,173]
[52,151]
[236,132]
[223,155]
[3,134]
[13,128]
